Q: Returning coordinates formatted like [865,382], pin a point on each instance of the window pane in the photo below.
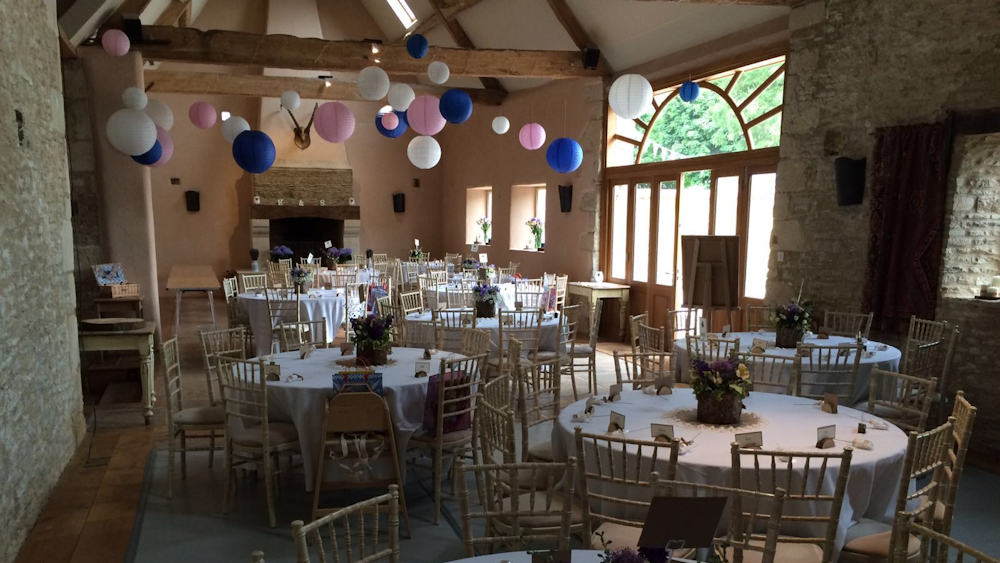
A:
[766,133]
[686,130]
[767,100]
[540,204]
[727,195]
[759,233]
[619,230]
[622,153]
[751,80]
[640,244]
[693,213]
[665,233]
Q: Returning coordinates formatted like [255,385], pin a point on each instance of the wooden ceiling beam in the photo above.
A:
[461,38]
[447,13]
[731,2]
[576,31]
[67,50]
[258,86]
[175,12]
[166,43]
[136,7]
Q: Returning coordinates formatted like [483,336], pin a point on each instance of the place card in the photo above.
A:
[346,348]
[590,405]
[599,277]
[617,423]
[483,259]
[661,432]
[328,244]
[825,436]
[829,403]
[305,351]
[518,305]
[615,393]
[703,326]
[759,346]
[421,368]
[726,330]
[416,243]
[474,248]
[309,259]
[664,385]
[272,371]
[750,440]
[862,428]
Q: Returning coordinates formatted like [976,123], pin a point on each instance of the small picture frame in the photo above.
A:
[615,393]
[421,366]
[750,440]
[617,423]
[599,276]
[661,432]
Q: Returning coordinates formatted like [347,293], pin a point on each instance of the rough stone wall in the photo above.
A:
[41,418]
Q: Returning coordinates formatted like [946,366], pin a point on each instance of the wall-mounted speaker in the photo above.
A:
[591,57]
[399,203]
[193,200]
[132,27]
[565,198]
[850,176]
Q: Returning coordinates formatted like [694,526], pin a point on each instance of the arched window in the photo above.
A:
[737,110]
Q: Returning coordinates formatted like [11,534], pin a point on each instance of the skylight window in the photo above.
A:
[403,12]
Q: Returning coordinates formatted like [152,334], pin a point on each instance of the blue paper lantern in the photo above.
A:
[417,46]
[689,91]
[392,133]
[456,106]
[564,155]
[152,156]
[254,151]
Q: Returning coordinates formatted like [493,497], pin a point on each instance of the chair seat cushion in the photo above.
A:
[582,350]
[870,538]
[553,520]
[449,439]
[543,356]
[784,553]
[616,536]
[281,433]
[200,416]
[541,450]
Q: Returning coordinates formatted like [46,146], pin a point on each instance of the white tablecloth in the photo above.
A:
[326,277]
[422,270]
[579,556]
[506,295]
[887,359]
[317,304]
[548,337]
[787,423]
[302,402]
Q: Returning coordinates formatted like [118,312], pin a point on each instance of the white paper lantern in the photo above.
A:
[134,98]
[131,131]
[232,127]
[290,100]
[630,95]
[400,96]
[501,125]
[438,72]
[424,152]
[373,83]
[160,113]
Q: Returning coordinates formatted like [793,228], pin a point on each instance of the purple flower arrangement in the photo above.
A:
[470,264]
[340,256]
[721,377]
[254,254]
[281,252]
[794,316]
[486,293]
[300,275]
[372,332]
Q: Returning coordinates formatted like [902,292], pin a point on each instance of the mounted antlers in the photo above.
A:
[302,139]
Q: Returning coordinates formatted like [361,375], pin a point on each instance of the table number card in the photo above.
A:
[416,243]
[421,368]
[305,351]
[272,372]
[726,330]
[829,403]
[474,248]
[327,244]
[590,405]
[617,423]
[702,326]
[663,385]
[825,436]
[750,440]
[759,346]
[661,432]
[483,259]
[615,393]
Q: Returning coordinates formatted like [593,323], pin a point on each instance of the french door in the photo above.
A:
[649,212]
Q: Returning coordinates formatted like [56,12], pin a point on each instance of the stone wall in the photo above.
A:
[41,418]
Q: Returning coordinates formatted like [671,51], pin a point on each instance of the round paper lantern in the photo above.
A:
[151,156]
[438,72]
[290,100]
[501,125]
[417,46]
[131,131]
[160,113]
[689,91]
[395,132]
[455,106]
[532,136]
[166,146]
[334,122]
[253,151]
[134,98]
[400,96]
[630,95]
[202,114]
[425,116]
[115,42]
[232,127]
[390,120]
[373,83]
[424,152]
[564,155]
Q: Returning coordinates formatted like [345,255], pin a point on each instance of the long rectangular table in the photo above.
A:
[183,279]
[140,340]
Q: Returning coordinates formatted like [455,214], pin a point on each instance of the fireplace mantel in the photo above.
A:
[311,186]
[343,212]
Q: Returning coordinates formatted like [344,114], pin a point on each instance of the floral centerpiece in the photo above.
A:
[339,255]
[281,252]
[651,555]
[720,388]
[484,225]
[417,254]
[373,339]
[470,264]
[300,277]
[486,296]
[535,226]
[791,322]
[254,255]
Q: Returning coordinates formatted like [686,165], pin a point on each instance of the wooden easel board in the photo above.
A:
[711,262]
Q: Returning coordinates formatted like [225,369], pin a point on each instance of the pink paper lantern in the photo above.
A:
[532,136]
[334,122]
[390,121]
[424,115]
[202,114]
[115,42]
[166,146]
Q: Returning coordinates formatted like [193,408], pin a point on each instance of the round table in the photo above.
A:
[548,336]
[315,305]
[887,359]
[579,556]
[788,423]
[302,402]
[506,297]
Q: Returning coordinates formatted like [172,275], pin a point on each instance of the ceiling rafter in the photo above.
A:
[166,43]
[447,13]
[732,2]
[463,40]
[576,31]
[178,12]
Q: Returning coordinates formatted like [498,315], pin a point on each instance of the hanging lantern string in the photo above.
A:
[564,117]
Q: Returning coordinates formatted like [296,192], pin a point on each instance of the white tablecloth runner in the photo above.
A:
[787,423]
[548,337]
[302,402]
[319,303]
[887,359]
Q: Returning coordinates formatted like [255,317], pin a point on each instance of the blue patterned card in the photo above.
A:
[109,274]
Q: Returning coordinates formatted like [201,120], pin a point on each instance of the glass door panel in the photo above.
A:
[666,224]
[727,201]
[640,231]
[761,219]
[693,214]
[619,231]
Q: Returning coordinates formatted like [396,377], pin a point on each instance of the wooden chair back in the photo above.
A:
[450,324]
[772,373]
[963,417]
[251,282]
[562,283]
[531,295]
[474,342]
[495,421]
[412,272]
[828,369]
[343,278]
[525,326]
[641,369]
[595,326]
[903,400]
[538,395]
[847,324]
[460,296]
[633,329]
[651,339]
[935,546]
[313,271]
[304,333]
[411,302]
[458,393]
[364,535]
[420,334]
[233,342]
[244,394]
[758,318]
[711,349]
[682,322]
[172,380]
[505,275]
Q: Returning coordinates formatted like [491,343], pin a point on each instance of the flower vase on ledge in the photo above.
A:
[538,240]
[254,266]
